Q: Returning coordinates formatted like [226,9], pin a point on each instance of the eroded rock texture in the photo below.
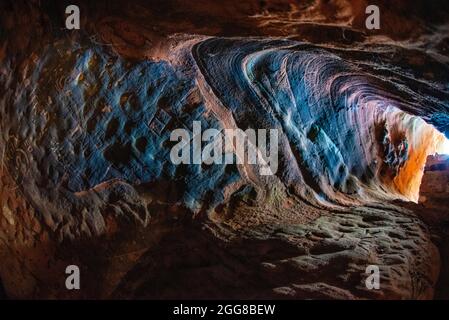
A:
[86,176]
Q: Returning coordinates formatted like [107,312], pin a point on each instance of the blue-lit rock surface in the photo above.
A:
[86,175]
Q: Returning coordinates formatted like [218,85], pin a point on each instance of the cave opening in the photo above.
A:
[425,147]
[410,142]
[434,187]
[444,147]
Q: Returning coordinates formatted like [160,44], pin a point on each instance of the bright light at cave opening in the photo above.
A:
[444,147]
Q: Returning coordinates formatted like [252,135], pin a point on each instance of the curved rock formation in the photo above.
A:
[86,176]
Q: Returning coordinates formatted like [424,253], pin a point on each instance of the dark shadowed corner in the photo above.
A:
[2,291]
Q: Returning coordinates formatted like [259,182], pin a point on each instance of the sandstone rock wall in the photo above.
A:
[86,178]
[434,189]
